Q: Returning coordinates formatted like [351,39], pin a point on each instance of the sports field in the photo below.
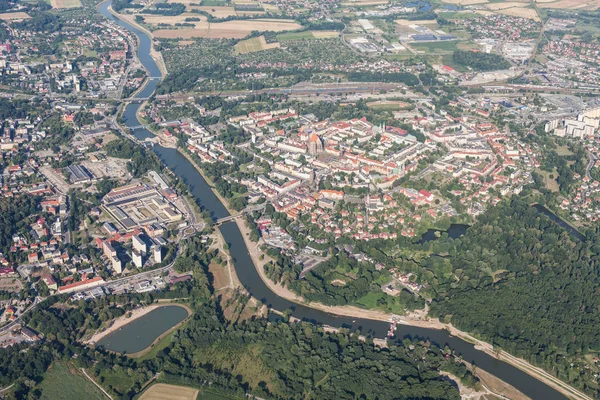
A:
[65,3]
[162,391]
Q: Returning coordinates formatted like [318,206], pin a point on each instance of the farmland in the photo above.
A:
[253,45]
[14,16]
[162,391]
[307,35]
[230,29]
[62,375]
[65,3]
[570,4]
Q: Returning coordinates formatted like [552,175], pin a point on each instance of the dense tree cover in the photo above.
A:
[272,360]
[525,284]
[141,160]
[480,61]
[167,9]
[40,22]
[403,77]
[13,218]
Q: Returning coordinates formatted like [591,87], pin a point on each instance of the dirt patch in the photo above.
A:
[338,282]
[162,391]
[220,273]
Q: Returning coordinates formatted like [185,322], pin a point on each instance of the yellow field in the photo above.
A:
[465,2]
[571,4]
[406,22]
[502,6]
[14,15]
[325,34]
[162,391]
[520,12]
[364,2]
[253,45]
[65,3]
[218,12]
[230,29]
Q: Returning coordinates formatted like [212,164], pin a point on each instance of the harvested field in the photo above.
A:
[571,4]
[253,45]
[14,15]
[520,12]
[361,3]
[502,6]
[218,12]
[151,19]
[162,391]
[325,34]
[465,2]
[185,42]
[230,29]
[406,22]
[65,3]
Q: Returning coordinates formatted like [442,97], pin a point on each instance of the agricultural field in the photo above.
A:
[364,3]
[307,35]
[253,45]
[63,375]
[162,391]
[570,4]
[65,3]
[20,15]
[388,105]
[435,47]
[514,10]
[230,29]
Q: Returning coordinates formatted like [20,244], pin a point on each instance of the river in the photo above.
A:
[252,281]
[143,331]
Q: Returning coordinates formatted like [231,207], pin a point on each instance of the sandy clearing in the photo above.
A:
[163,391]
[229,29]
[14,15]
[325,34]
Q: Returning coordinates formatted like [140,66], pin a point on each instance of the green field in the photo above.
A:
[283,37]
[435,47]
[63,381]
[213,3]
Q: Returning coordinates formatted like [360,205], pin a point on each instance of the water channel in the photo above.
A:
[143,331]
[252,281]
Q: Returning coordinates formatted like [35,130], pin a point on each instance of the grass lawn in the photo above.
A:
[435,47]
[370,300]
[283,37]
[61,375]
[118,380]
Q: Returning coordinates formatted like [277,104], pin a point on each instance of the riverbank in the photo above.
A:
[120,322]
[415,319]
[210,183]
[156,55]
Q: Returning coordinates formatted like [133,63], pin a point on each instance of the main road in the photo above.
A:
[249,277]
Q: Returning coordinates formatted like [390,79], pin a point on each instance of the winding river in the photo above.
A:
[252,281]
